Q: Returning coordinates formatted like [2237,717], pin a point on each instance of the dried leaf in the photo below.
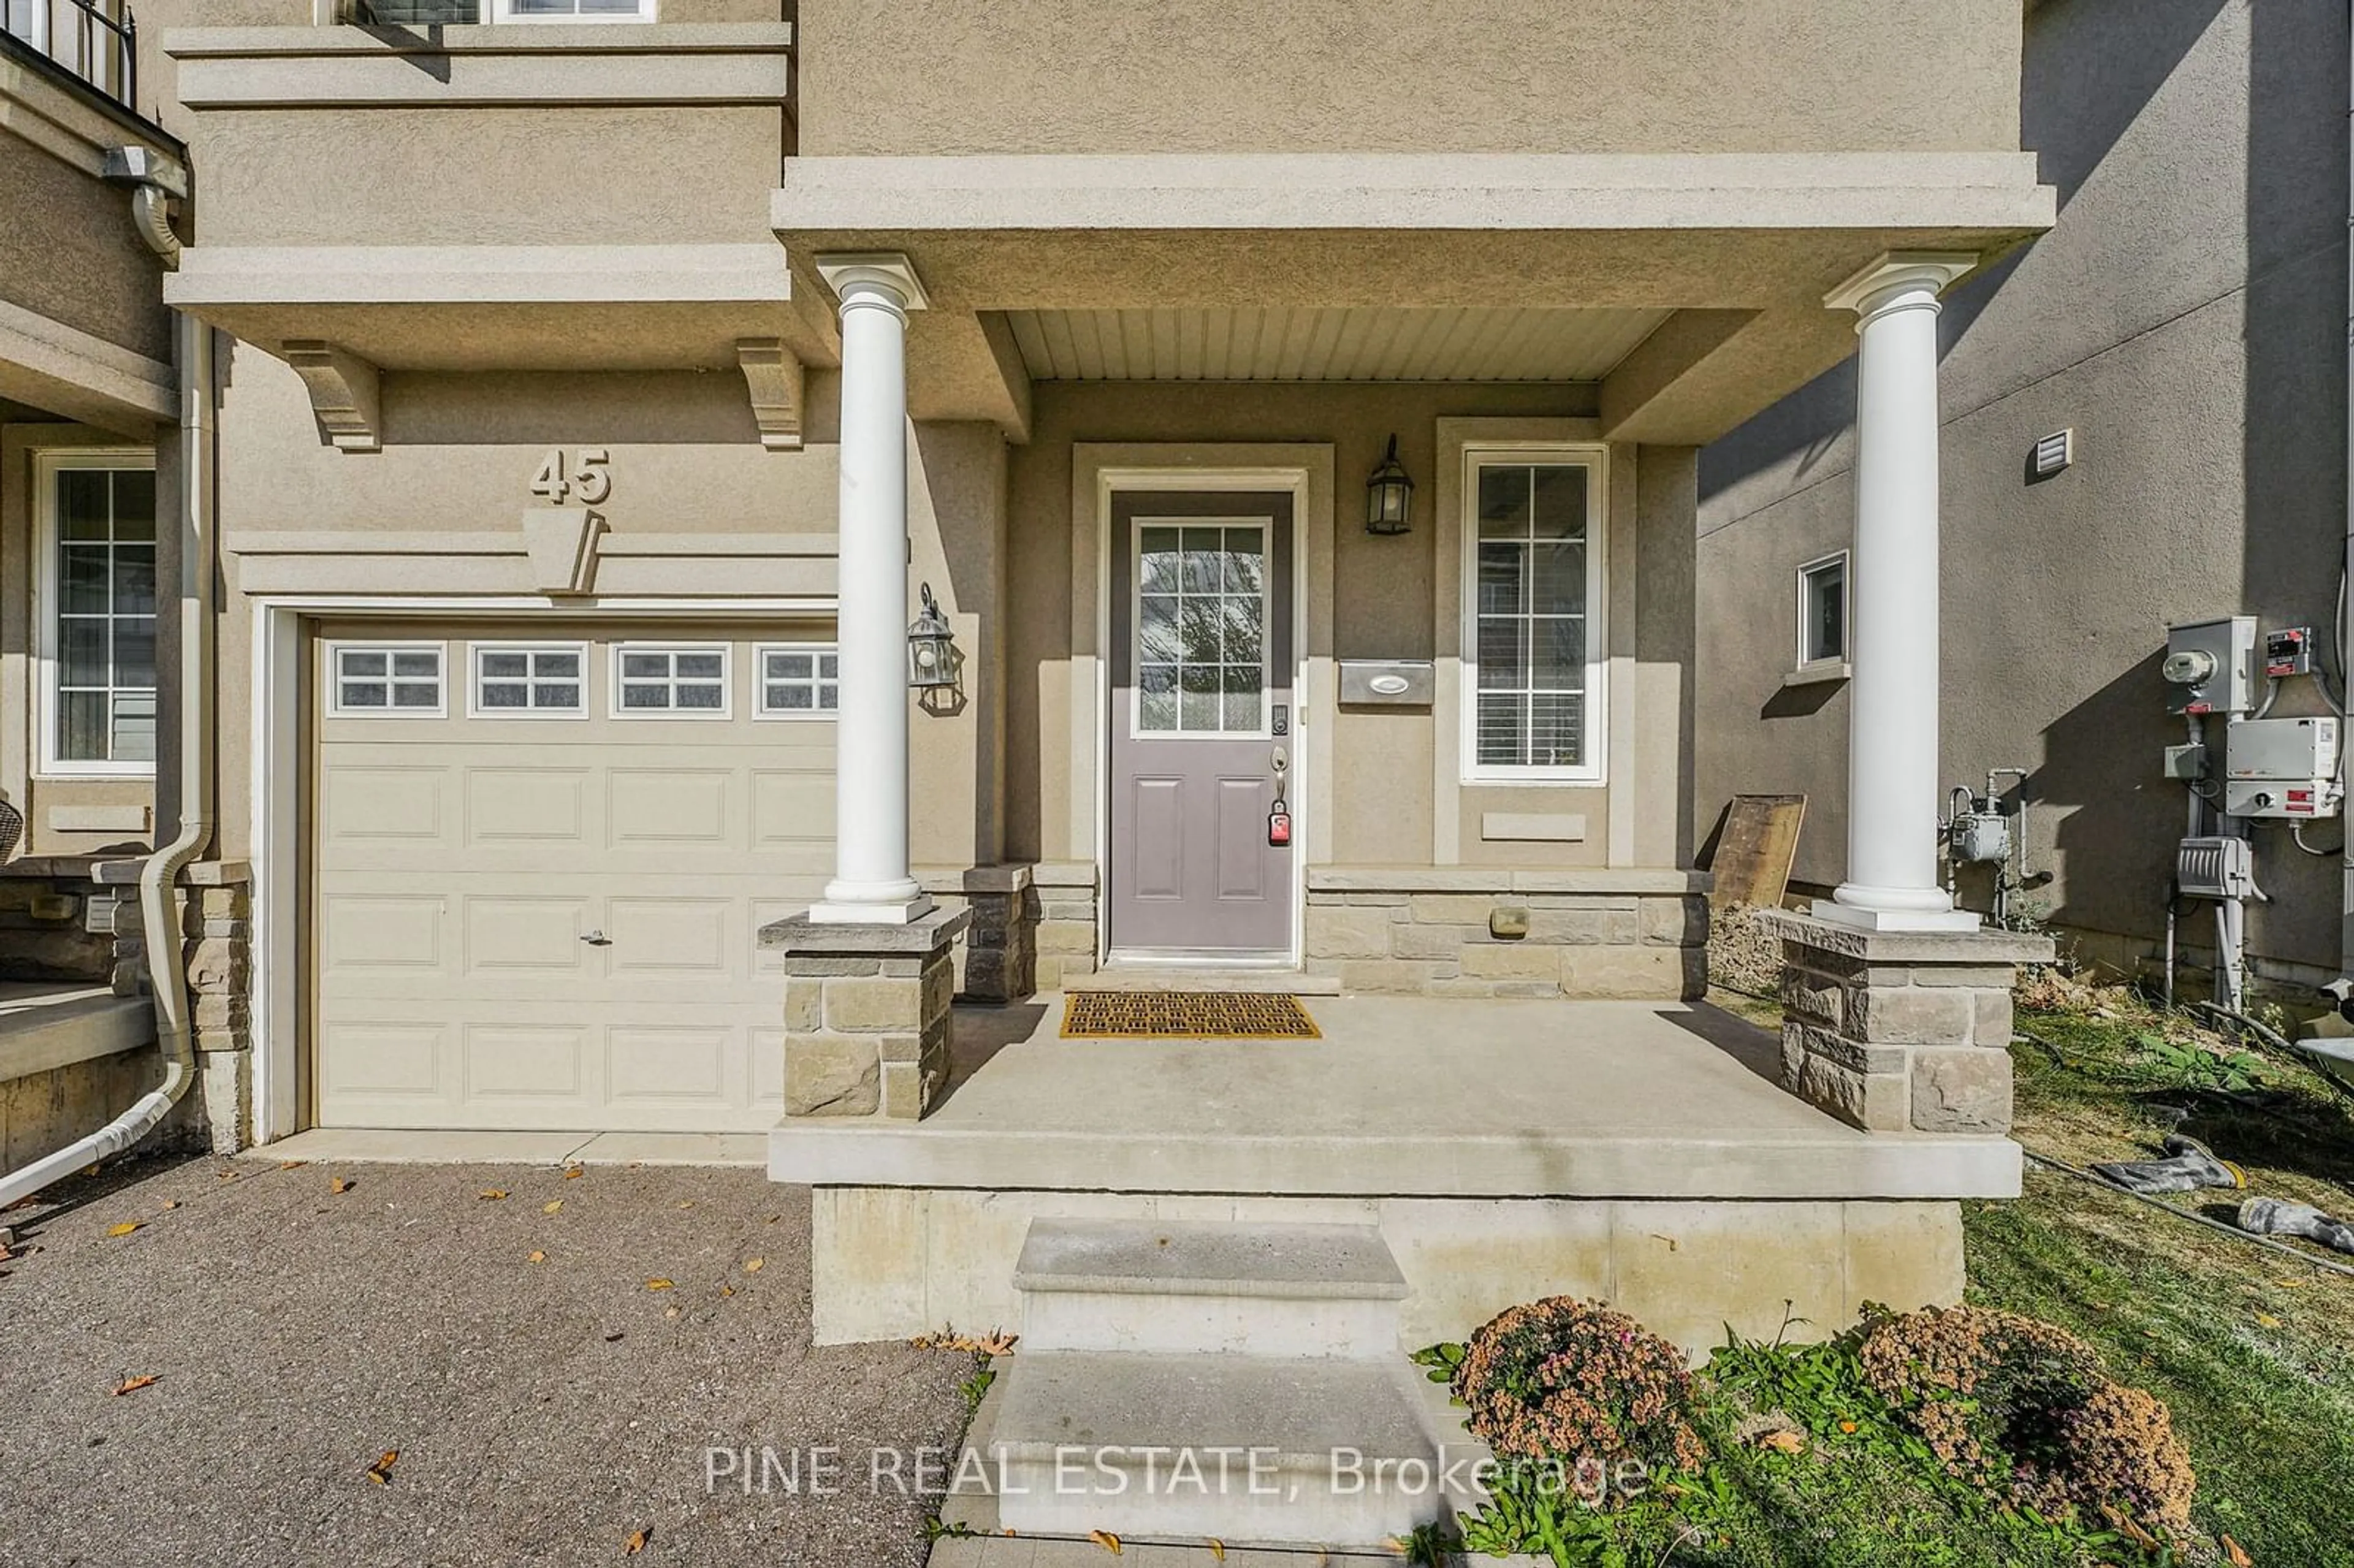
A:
[2265,1319]
[170,1203]
[340,1184]
[670,1312]
[493,1194]
[536,1258]
[124,1229]
[132,1384]
[554,1207]
[1217,1549]
[754,1264]
[293,1164]
[381,1471]
[91,1169]
[659,1283]
[2237,1554]
[1848,1427]
[637,1541]
[1105,1539]
[574,1172]
[726,1290]
[1783,1441]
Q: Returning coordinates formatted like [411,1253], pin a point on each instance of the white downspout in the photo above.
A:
[158,908]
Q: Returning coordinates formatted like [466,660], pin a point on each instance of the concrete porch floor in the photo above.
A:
[1403,1097]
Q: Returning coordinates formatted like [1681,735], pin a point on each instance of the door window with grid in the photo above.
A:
[1201,628]
[101,619]
[1534,601]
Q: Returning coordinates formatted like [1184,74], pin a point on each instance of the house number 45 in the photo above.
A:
[587,476]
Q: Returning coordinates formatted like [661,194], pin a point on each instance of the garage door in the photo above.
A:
[539,867]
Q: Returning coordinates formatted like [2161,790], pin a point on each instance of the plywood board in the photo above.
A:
[1754,852]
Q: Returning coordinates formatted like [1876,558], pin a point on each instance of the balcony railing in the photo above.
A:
[98,42]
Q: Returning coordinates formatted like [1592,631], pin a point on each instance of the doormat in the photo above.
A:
[1185,1014]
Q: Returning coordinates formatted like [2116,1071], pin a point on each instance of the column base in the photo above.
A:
[900,912]
[1863,919]
[867,1024]
[1895,1030]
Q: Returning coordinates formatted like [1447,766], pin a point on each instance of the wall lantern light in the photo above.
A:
[932,656]
[1389,496]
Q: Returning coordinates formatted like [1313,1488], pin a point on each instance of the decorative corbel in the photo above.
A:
[773,378]
[343,389]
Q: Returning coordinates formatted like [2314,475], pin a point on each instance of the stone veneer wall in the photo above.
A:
[217,946]
[996,958]
[1462,931]
[57,921]
[1891,1031]
[1064,910]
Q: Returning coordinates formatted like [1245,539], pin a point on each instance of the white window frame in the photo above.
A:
[726,708]
[760,708]
[474,677]
[502,12]
[1809,661]
[1595,457]
[334,676]
[1264,528]
[47,592]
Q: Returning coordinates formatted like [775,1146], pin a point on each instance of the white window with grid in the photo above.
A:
[800,680]
[652,679]
[1202,611]
[1822,613]
[1534,576]
[513,679]
[98,619]
[385,680]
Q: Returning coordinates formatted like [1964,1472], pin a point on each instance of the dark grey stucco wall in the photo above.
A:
[2186,318]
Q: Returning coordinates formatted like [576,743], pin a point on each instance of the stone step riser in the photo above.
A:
[1236,1323]
[1286,1506]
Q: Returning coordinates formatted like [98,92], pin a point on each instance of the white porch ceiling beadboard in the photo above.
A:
[1476,343]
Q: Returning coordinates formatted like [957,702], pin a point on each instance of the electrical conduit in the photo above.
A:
[158,908]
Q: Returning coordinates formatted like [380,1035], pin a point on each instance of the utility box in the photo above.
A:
[2214,868]
[2210,666]
[2281,768]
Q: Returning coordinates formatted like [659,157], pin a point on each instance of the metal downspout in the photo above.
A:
[158,908]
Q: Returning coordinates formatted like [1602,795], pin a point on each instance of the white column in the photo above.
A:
[871,884]
[1892,792]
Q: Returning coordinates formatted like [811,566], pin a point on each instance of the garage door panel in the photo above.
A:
[459,864]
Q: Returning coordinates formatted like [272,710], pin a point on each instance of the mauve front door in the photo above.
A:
[1201,725]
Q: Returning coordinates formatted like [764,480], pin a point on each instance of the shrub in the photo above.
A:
[1560,1379]
[2022,1408]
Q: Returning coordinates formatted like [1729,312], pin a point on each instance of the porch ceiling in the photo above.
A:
[1307,343]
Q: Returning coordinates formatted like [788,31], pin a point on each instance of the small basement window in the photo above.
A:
[800,682]
[515,682]
[387,680]
[652,679]
[1822,611]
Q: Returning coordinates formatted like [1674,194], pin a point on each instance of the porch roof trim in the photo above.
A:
[1995,192]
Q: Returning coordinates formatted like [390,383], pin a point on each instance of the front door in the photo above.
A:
[1201,725]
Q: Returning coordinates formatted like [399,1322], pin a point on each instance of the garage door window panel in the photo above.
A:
[800,680]
[387,680]
[515,680]
[670,681]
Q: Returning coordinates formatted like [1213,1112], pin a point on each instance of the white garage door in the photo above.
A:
[540,865]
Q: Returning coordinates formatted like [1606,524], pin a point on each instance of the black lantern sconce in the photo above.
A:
[1389,496]
[932,656]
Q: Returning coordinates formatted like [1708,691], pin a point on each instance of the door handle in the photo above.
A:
[598,939]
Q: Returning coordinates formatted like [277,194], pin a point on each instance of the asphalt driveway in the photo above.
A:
[547,1396]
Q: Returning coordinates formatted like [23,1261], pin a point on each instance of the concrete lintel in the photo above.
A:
[773,378]
[1658,880]
[1985,946]
[973,878]
[479,274]
[560,542]
[344,393]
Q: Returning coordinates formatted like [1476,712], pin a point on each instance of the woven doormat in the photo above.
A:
[1185,1014]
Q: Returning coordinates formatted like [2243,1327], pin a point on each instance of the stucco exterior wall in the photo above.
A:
[1384,590]
[1067,75]
[68,252]
[2184,318]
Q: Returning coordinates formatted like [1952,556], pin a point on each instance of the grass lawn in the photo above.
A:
[2252,1352]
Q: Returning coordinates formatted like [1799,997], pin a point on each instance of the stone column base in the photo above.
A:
[866,1013]
[1898,1031]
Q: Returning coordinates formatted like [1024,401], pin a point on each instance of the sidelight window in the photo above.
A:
[1533,650]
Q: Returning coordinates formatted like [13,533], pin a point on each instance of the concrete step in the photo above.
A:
[1205,976]
[1246,1449]
[1225,1288]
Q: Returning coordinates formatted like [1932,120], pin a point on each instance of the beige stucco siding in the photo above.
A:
[1099,76]
[68,252]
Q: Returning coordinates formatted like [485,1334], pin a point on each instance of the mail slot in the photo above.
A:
[1386,682]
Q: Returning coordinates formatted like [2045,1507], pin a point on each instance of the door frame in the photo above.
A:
[283,1061]
[1305,473]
